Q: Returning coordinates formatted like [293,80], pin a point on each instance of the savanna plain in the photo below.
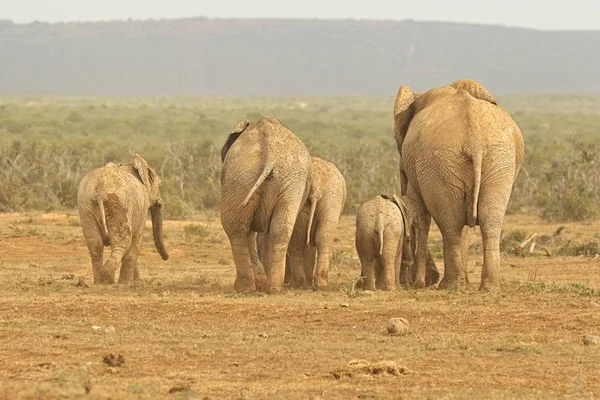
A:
[183,332]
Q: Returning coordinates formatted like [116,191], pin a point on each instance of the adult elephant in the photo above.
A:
[265,180]
[314,231]
[460,154]
[113,203]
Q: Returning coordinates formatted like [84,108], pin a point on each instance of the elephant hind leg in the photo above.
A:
[129,265]
[387,277]
[244,281]
[260,276]
[491,225]
[369,264]
[93,240]
[453,269]
[280,231]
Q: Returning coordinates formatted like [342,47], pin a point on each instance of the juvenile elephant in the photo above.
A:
[265,180]
[384,231]
[315,226]
[113,203]
[382,225]
[460,154]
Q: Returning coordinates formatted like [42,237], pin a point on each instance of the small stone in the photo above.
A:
[344,305]
[398,326]
[589,340]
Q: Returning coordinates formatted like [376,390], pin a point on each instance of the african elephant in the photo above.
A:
[384,227]
[265,179]
[315,226]
[113,203]
[460,154]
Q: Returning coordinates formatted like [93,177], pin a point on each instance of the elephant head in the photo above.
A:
[237,130]
[151,181]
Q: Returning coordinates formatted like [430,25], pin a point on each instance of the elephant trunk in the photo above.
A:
[157,225]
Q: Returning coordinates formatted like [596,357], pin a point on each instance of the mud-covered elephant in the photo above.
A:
[314,231]
[113,203]
[460,154]
[384,228]
[265,179]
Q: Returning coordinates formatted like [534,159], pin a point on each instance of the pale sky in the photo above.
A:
[538,14]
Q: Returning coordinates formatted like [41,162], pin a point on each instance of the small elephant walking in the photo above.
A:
[460,154]
[315,226]
[113,203]
[265,178]
[382,227]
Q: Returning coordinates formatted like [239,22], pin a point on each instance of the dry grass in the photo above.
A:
[183,333]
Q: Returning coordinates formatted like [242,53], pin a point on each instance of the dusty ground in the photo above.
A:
[183,332]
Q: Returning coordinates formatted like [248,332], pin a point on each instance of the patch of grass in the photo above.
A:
[437,251]
[509,241]
[517,349]
[538,287]
[196,231]
[74,221]
[572,248]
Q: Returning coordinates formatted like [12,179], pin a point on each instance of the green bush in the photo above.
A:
[46,148]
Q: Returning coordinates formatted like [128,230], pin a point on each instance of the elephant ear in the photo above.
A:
[406,219]
[237,130]
[404,111]
[141,166]
[475,89]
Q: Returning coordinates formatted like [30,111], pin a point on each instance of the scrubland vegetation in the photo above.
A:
[48,144]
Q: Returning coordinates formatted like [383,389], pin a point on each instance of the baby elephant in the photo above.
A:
[382,227]
[113,203]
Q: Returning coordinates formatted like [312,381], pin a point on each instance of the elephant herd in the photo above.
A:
[460,154]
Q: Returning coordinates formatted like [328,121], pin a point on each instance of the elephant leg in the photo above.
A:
[423,221]
[296,260]
[260,276]
[93,240]
[298,277]
[129,265]
[287,280]
[388,263]
[310,253]
[453,269]
[120,234]
[369,264]
[244,280]
[117,251]
[280,232]
[432,276]
[490,222]
[324,241]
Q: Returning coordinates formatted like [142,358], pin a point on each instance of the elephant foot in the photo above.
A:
[360,283]
[432,277]
[244,285]
[489,285]
[261,282]
[106,278]
[275,289]
[321,284]
[449,284]
[419,283]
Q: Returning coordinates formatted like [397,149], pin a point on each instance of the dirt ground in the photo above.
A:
[182,332]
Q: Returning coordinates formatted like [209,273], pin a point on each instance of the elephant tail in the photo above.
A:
[104,229]
[313,206]
[379,227]
[472,217]
[261,178]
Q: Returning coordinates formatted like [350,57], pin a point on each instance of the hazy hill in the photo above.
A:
[201,56]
